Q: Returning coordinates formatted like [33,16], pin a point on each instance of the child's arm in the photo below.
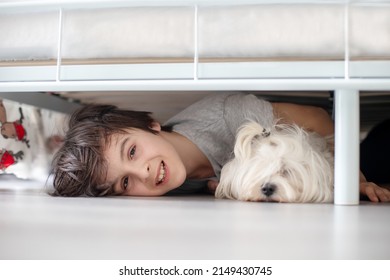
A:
[308,117]
[3,114]
[318,120]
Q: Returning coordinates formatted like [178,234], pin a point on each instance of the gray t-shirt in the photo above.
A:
[212,124]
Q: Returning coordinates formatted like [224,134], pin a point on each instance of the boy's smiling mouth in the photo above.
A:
[161,174]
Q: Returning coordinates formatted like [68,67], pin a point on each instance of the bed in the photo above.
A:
[164,55]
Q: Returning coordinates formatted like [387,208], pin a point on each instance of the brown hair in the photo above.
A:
[79,166]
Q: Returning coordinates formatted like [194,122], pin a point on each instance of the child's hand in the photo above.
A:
[374,192]
[212,186]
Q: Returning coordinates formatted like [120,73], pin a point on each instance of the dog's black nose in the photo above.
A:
[268,189]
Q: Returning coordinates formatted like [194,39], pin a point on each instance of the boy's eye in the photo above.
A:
[125,183]
[132,152]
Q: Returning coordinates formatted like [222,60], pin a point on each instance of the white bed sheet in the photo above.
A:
[275,31]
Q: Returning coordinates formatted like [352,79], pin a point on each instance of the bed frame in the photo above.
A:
[346,78]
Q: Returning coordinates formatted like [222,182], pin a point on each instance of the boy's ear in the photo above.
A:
[155,126]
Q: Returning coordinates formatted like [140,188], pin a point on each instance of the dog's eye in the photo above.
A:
[273,144]
[284,173]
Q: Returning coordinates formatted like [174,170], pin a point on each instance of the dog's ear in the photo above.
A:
[247,136]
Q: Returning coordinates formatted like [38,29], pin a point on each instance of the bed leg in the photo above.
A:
[347,128]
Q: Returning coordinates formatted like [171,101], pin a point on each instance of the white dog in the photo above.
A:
[284,164]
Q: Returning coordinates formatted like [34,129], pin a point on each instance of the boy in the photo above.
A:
[108,151]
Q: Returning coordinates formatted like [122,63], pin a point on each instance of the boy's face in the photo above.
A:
[141,163]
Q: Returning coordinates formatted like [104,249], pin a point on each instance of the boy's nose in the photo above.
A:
[142,171]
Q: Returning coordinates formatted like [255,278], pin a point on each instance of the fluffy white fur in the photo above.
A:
[283,164]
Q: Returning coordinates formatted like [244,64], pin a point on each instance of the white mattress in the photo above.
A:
[276,31]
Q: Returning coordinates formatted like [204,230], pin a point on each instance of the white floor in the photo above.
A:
[34,225]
